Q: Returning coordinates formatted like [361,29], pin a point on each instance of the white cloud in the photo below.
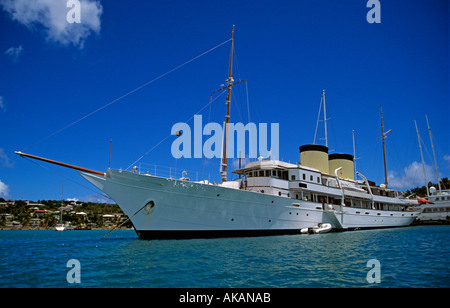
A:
[4,189]
[15,53]
[412,176]
[51,15]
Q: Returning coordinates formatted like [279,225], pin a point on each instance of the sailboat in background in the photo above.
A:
[61,226]
[436,208]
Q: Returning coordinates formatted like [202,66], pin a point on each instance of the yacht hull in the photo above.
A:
[348,218]
[162,208]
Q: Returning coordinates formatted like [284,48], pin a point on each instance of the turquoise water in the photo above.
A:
[408,257]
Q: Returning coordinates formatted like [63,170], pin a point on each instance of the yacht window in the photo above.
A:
[274,173]
[293,177]
[267,173]
[279,173]
[261,173]
[250,174]
[311,178]
[318,179]
[279,193]
[304,176]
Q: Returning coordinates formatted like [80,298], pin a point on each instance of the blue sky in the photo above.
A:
[54,73]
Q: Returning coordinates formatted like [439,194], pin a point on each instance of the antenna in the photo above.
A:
[322,99]
[325,117]
[110,145]
[354,155]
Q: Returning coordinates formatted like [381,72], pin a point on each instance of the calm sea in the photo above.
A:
[408,257]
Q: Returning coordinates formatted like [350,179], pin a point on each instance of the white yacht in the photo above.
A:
[326,182]
[435,210]
[271,198]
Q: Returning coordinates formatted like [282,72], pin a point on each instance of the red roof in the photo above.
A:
[41,211]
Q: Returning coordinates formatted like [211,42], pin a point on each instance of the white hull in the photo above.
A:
[60,228]
[348,218]
[320,228]
[438,213]
[169,208]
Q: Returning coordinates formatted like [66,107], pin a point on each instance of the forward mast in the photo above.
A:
[229,82]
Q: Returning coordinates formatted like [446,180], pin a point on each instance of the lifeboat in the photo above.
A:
[320,228]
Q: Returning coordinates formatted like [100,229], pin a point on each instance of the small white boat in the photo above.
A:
[320,228]
[60,227]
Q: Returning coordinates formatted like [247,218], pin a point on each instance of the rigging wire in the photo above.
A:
[69,179]
[127,94]
[318,119]
[165,138]
[248,104]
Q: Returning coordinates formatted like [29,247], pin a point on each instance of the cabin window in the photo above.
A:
[261,173]
[304,176]
[311,178]
[279,193]
[302,185]
[318,179]
[293,177]
[274,173]
[267,173]
[322,199]
[250,174]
